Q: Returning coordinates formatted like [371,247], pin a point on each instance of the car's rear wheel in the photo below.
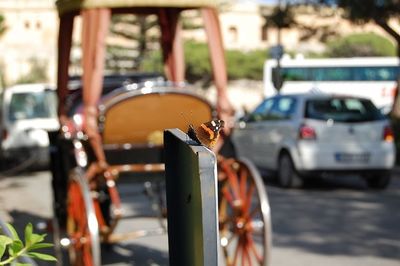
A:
[287,174]
[379,181]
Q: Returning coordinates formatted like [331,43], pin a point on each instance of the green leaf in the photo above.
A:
[2,249]
[15,247]
[5,240]
[22,264]
[35,238]
[13,232]
[28,234]
[3,246]
[41,256]
[41,245]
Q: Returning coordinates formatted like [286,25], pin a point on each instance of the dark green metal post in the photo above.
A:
[191,180]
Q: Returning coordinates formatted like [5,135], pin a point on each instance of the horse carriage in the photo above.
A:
[106,135]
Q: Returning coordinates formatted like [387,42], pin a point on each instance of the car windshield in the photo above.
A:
[30,105]
[342,110]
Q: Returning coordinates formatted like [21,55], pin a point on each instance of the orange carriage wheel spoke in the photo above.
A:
[78,228]
[228,196]
[246,255]
[87,257]
[249,197]
[232,179]
[243,182]
[254,250]
[242,200]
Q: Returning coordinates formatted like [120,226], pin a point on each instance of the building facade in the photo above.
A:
[32,28]
[30,39]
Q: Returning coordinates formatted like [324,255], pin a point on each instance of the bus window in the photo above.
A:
[295,74]
[371,77]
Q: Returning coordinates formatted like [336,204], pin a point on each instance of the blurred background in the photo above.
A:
[252,31]
[332,222]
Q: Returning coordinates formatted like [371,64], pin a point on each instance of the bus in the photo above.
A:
[374,78]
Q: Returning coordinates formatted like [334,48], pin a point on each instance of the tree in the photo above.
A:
[132,40]
[359,45]
[281,17]
[380,12]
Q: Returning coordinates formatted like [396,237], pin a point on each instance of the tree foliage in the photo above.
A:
[378,11]
[361,44]
[132,38]
[281,17]
[240,65]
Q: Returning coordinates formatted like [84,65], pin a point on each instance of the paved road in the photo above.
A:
[333,222]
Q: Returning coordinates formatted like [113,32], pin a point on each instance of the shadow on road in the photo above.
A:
[132,254]
[337,217]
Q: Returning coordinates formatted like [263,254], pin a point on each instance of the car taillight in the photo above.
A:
[388,134]
[307,132]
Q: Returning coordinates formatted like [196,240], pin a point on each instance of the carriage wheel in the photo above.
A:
[244,214]
[82,226]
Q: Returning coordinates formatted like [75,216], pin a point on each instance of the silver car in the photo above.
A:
[306,135]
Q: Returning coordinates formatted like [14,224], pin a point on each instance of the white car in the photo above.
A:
[28,112]
[306,135]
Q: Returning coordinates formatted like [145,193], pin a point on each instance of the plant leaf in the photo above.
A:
[13,232]
[28,234]
[41,256]
[5,240]
[41,245]
[22,264]
[15,247]
[2,248]
[35,238]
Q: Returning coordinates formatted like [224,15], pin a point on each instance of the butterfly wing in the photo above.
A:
[206,134]
[193,135]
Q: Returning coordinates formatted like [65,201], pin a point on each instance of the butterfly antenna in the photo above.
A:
[186,120]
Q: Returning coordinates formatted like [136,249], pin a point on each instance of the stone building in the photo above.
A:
[30,38]
[32,29]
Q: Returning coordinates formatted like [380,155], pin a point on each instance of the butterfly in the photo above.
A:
[207,133]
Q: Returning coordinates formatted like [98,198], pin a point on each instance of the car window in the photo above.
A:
[261,111]
[342,110]
[283,108]
[29,105]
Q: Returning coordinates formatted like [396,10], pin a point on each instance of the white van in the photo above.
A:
[28,112]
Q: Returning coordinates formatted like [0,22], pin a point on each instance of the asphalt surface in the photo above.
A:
[336,221]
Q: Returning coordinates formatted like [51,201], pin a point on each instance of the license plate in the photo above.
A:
[352,157]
